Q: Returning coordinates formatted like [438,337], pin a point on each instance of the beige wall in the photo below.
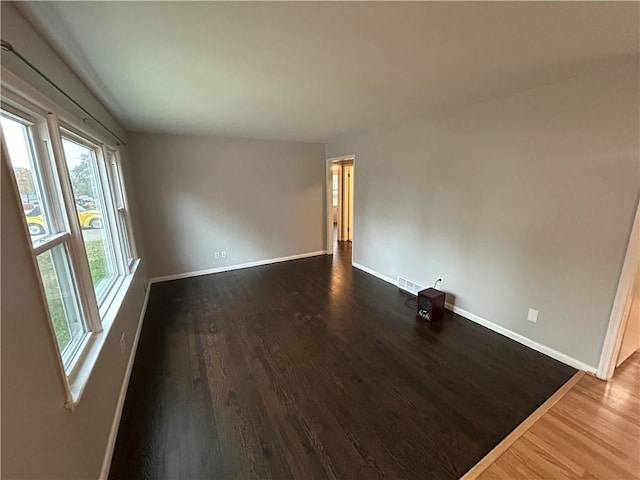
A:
[521,201]
[40,438]
[256,200]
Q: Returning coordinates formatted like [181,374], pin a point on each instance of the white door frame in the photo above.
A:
[621,302]
[329,200]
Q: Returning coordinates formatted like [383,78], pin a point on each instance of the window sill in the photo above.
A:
[79,376]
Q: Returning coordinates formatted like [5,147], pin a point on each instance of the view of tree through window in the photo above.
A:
[66,186]
[85,182]
[55,269]
[60,293]
[20,145]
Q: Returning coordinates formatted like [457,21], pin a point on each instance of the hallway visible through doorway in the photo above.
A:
[342,206]
[341,250]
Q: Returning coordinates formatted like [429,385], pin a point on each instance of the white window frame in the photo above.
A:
[56,218]
[48,123]
[113,233]
[114,171]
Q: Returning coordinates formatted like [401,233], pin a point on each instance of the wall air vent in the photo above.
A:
[410,286]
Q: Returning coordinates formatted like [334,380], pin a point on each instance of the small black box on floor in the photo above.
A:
[430,304]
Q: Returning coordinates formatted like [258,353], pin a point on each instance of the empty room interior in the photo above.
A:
[320,240]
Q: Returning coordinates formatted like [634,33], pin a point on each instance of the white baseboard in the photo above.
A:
[550,352]
[374,273]
[238,266]
[111,441]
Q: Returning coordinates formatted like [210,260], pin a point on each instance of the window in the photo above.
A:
[62,299]
[335,189]
[69,184]
[18,135]
[121,206]
[82,166]
[49,235]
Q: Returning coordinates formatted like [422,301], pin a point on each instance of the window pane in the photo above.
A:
[335,189]
[19,143]
[62,300]
[85,180]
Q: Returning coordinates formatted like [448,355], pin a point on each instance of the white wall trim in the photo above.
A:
[115,424]
[621,302]
[328,206]
[550,352]
[374,273]
[239,266]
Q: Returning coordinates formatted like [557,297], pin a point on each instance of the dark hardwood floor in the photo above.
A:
[311,369]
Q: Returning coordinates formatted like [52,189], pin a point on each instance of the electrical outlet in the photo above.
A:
[123,344]
[223,254]
[439,283]
[532,316]
[216,255]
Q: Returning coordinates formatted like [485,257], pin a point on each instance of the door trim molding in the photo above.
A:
[617,319]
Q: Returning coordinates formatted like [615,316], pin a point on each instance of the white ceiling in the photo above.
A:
[308,71]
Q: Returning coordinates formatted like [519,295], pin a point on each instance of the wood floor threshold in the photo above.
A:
[521,429]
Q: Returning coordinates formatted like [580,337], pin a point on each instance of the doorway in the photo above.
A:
[630,342]
[343,222]
[623,334]
[340,206]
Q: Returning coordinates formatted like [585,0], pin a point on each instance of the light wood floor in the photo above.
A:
[592,432]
